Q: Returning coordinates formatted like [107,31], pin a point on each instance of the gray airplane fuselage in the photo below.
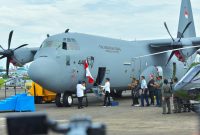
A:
[59,67]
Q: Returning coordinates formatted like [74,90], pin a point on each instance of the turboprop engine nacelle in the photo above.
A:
[22,56]
[187,52]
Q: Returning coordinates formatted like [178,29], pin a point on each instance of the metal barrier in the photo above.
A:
[11,88]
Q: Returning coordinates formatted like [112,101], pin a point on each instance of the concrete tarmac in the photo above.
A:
[123,119]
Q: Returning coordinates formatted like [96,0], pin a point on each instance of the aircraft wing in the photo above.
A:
[160,43]
[196,41]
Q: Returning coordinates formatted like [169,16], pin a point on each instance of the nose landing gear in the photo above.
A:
[65,99]
[116,93]
[58,100]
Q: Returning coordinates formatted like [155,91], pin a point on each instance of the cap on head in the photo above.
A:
[108,79]
[165,81]
[79,82]
[83,82]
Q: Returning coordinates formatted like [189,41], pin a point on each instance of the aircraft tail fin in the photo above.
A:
[185,17]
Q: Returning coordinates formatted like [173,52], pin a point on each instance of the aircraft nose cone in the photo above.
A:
[43,71]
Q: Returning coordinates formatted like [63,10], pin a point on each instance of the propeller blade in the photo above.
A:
[170,57]
[7,66]
[20,46]
[9,39]
[168,31]
[184,30]
[2,48]
[2,57]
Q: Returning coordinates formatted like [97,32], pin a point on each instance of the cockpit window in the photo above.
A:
[66,44]
[73,40]
[50,43]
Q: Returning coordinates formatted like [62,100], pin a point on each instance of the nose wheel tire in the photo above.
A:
[58,100]
[67,100]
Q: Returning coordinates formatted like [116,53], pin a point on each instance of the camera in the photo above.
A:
[39,124]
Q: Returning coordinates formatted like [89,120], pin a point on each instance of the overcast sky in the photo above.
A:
[31,20]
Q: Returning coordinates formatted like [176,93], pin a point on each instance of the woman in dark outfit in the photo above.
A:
[135,93]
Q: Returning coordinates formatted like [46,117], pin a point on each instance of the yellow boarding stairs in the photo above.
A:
[41,95]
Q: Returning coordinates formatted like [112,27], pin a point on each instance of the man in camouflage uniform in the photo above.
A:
[176,99]
[166,95]
[159,84]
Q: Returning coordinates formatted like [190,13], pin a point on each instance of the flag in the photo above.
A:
[88,74]
[186,13]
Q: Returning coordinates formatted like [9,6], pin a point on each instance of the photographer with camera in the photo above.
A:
[80,93]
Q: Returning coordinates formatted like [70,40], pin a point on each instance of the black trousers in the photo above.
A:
[80,102]
[134,97]
[107,96]
[151,95]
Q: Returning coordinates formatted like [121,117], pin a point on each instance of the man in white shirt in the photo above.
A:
[144,93]
[197,58]
[80,93]
[106,87]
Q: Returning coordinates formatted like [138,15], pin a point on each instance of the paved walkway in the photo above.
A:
[123,119]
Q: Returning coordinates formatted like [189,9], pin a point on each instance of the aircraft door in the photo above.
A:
[100,76]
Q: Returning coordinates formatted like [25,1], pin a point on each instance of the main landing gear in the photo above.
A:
[116,93]
[64,100]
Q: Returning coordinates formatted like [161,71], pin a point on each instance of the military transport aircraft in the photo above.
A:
[58,64]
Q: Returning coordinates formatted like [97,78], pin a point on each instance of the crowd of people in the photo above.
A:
[146,91]
[157,92]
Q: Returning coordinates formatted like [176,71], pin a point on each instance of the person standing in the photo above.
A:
[106,87]
[132,84]
[167,94]
[80,87]
[197,58]
[135,93]
[176,99]
[159,84]
[151,88]
[144,91]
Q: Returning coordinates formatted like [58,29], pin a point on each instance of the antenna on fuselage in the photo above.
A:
[67,30]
